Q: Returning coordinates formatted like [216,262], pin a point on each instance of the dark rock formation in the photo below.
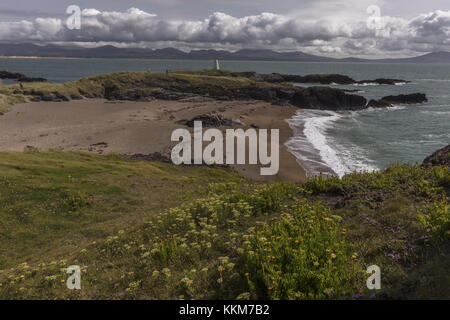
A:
[319,78]
[20,77]
[389,101]
[208,120]
[383,81]
[325,98]
[378,104]
[38,96]
[413,98]
[281,95]
[203,88]
[30,79]
[277,94]
[156,156]
[312,78]
[439,158]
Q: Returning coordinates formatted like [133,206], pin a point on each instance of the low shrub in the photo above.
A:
[436,221]
[303,255]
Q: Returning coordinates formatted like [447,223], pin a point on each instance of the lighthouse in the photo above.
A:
[216,65]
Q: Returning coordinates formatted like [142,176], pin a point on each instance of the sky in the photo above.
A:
[335,28]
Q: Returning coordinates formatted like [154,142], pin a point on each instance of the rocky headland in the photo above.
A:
[440,158]
[310,79]
[19,77]
[389,101]
[206,86]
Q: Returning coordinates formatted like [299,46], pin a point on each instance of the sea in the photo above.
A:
[323,141]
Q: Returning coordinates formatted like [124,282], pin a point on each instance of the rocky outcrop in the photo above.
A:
[439,158]
[209,120]
[378,104]
[156,156]
[9,75]
[311,78]
[319,79]
[281,95]
[382,81]
[20,77]
[389,101]
[338,79]
[325,98]
[413,98]
[30,79]
[277,94]
[38,96]
[147,86]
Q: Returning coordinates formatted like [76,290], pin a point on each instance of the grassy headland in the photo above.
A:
[147,230]
[109,86]
[142,86]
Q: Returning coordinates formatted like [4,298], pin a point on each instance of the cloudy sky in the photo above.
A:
[364,28]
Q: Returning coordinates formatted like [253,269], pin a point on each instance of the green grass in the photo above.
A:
[207,249]
[436,220]
[7,100]
[56,200]
[145,230]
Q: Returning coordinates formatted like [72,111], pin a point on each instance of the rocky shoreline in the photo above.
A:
[389,101]
[19,77]
[439,158]
[322,98]
[311,78]
[275,90]
[204,86]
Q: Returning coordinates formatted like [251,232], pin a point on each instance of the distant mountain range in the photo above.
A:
[29,49]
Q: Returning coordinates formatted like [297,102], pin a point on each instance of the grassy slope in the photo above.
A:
[241,241]
[53,202]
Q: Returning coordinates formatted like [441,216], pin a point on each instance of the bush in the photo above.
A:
[302,256]
[436,220]
[323,185]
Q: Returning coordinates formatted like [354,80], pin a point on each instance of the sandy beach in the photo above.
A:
[100,126]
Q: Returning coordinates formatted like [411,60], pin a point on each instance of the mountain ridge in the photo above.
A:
[109,51]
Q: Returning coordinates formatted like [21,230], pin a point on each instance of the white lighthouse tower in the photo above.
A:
[216,65]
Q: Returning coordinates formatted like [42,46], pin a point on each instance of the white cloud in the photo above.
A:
[344,36]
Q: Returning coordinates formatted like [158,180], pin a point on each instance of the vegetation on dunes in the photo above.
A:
[147,230]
